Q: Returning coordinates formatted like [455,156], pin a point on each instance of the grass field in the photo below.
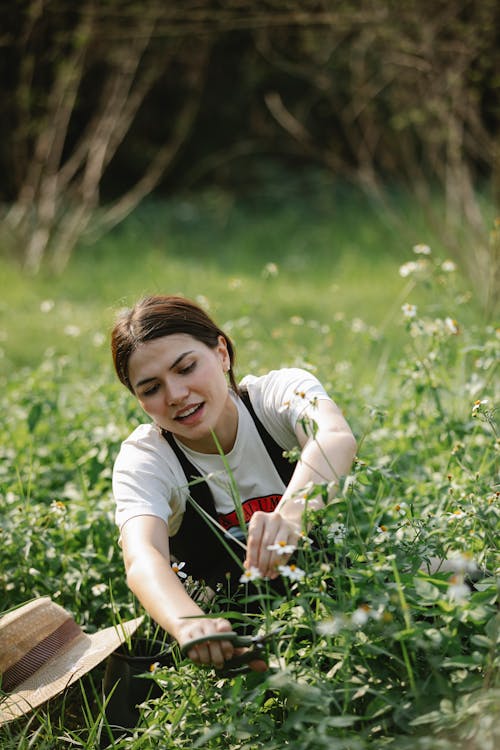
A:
[373,654]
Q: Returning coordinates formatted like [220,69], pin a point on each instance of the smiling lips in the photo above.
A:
[189,412]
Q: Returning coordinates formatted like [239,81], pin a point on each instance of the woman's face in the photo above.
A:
[180,382]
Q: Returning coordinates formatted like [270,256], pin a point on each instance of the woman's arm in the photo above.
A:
[328,449]
[158,588]
[326,455]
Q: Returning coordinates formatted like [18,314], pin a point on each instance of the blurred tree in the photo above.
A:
[406,92]
[77,91]
[105,101]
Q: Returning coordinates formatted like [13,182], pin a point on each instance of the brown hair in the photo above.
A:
[160,315]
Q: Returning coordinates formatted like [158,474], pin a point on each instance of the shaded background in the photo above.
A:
[105,103]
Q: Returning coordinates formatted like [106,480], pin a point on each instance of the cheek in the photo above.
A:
[147,404]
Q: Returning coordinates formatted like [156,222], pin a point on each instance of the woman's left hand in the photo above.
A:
[272,539]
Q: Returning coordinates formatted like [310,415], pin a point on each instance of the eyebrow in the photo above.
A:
[172,367]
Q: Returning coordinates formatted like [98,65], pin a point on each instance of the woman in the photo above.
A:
[179,365]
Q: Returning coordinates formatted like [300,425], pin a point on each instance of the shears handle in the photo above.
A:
[237,640]
[238,663]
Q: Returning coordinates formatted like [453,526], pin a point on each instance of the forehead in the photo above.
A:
[164,350]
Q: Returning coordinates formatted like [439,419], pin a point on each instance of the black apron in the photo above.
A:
[196,541]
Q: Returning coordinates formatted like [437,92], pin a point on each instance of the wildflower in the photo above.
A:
[47,305]
[307,541]
[361,615]
[98,339]
[358,325]
[409,311]
[58,507]
[154,666]
[452,326]
[382,529]
[235,283]
[342,367]
[455,515]
[422,249]
[448,266]
[251,574]
[400,509]
[305,494]
[282,548]
[331,626]
[408,268]
[337,532]
[270,269]
[458,590]
[462,562]
[72,331]
[478,404]
[98,589]
[292,572]
[284,407]
[177,568]
[296,320]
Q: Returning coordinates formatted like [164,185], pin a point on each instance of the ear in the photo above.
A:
[223,353]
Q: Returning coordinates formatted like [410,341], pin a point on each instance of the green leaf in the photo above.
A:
[34,415]
[342,721]
[460,661]
[425,590]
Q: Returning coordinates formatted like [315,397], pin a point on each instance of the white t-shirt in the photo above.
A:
[148,478]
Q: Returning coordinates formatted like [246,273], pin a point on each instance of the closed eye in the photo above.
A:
[187,369]
[151,390]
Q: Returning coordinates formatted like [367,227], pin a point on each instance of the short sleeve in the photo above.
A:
[282,397]
[145,480]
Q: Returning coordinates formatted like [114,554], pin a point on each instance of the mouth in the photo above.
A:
[191,411]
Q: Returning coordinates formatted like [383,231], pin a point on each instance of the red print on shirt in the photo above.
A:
[267,504]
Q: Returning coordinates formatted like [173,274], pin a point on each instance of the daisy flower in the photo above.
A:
[282,548]
[448,266]
[422,250]
[177,568]
[458,591]
[251,574]
[337,532]
[292,572]
[409,311]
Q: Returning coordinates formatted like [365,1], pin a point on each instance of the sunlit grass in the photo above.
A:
[374,653]
[332,264]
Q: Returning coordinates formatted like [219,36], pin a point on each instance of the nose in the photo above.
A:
[176,392]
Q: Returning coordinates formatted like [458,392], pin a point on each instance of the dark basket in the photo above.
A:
[123,686]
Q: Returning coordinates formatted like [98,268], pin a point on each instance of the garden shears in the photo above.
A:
[238,664]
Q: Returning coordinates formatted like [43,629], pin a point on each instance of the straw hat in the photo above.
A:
[43,651]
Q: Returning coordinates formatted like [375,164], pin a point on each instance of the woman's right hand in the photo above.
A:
[207,653]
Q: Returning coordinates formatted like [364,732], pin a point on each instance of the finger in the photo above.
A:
[226,647]
[211,652]
[258,665]
[217,654]
[255,530]
[262,532]
[200,654]
[282,538]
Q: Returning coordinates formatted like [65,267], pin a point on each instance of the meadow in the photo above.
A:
[373,651]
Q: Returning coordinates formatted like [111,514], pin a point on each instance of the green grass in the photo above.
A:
[374,654]
[336,259]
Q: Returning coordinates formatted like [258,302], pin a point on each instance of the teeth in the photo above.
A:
[188,412]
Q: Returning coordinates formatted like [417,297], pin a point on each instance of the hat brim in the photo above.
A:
[74,661]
